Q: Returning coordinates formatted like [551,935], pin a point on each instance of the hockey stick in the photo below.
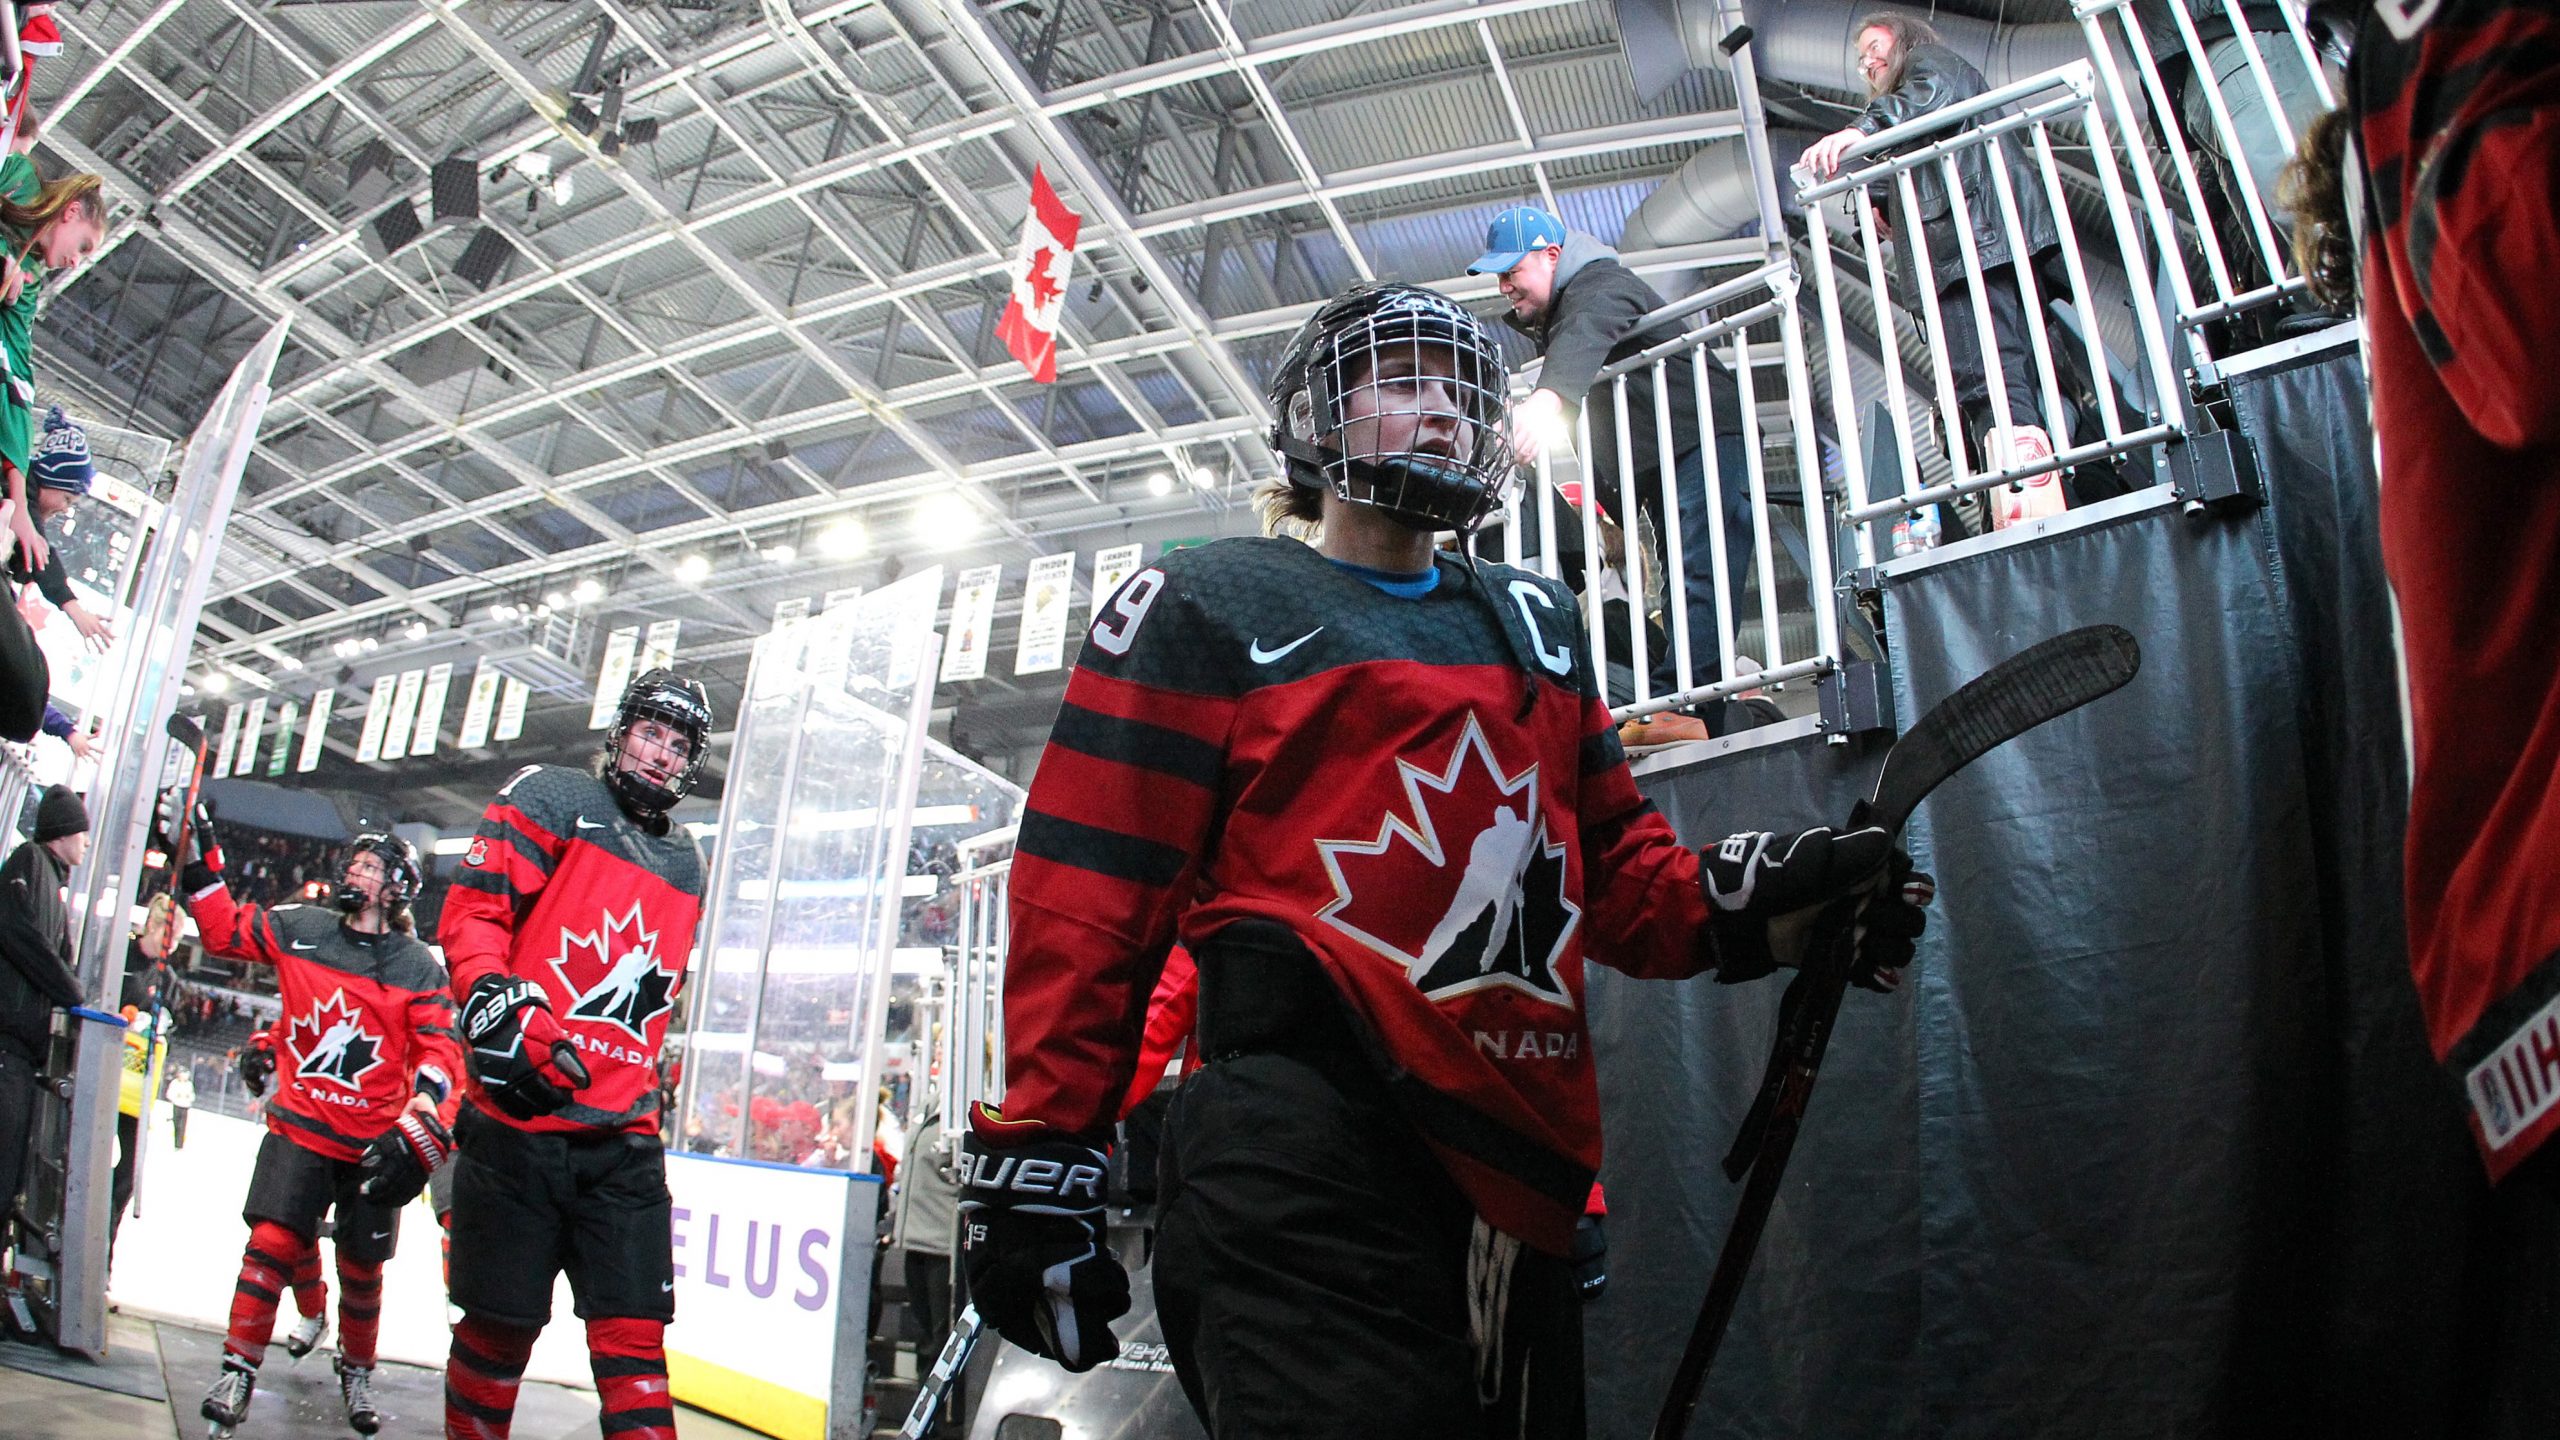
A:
[955,1358]
[2038,684]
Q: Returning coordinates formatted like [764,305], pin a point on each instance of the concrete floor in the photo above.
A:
[295,1401]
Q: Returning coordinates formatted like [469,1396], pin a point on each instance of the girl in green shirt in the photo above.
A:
[46,225]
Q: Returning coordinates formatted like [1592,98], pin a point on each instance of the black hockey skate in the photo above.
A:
[355,1391]
[305,1335]
[227,1403]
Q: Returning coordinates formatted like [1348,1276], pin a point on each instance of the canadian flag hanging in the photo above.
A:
[1029,327]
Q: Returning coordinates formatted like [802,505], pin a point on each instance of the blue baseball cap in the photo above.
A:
[1512,235]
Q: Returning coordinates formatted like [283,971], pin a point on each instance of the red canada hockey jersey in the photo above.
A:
[363,1015]
[2458,122]
[562,888]
[1255,733]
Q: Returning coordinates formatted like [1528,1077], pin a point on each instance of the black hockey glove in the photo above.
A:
[396,1165]
[1031,1236]
[258,1062]
[518,1052]
[1591,1257]
[1767,891]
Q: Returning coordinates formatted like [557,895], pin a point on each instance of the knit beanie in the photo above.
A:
[60,813]
[61,460]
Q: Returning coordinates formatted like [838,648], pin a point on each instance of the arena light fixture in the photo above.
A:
[782,552]
[553,600]
[845,538]
[1203,478]
[693,569]
[215,682]
[587,591]
[417,630]
[946,520]
[1160,483]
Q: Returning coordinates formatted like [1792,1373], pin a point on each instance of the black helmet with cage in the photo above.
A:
[680,701]
[1374,337]
[401,873]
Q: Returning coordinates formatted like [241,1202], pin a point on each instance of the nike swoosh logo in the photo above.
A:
[381,1234]
[1265,657]
[298,945]
[586,824]
[666,1285]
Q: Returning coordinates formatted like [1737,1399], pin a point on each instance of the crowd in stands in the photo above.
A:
[266,867]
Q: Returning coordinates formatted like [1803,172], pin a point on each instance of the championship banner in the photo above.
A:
[772,1279]
[431,709]
[620,648]
[1046,593]
[660,648]
[477,708]
[316,736]
[230,744]
[369,742]
[795,608]
[251,726]
[511,710]
[404,714]
[1111,569]
[284,738]
[834,598]
[973,618]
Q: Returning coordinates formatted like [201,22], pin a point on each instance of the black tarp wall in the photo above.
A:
[2149,1145]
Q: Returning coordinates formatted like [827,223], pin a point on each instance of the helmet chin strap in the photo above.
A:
[1307,464]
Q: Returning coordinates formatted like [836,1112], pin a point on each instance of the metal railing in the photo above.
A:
[2222,106]
[972,1059]
[1882,172]
[1648,672]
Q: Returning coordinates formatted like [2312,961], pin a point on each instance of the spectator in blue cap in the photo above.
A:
[1584,308]
[62,470]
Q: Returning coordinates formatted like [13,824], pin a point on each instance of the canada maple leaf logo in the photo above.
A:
[332,1044]
[1469,893]
[613,969]
[1044,286]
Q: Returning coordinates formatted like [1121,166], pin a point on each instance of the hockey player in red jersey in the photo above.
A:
[365,1065]
[569,929]
[1376,793]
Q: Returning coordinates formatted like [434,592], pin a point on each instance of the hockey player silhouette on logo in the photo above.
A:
[343,1053]
[632,995]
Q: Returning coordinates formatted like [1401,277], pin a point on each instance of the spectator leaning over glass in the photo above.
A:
[48,225]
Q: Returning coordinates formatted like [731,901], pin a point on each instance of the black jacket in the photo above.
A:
[1590,321]
[1934,78]
[35,946]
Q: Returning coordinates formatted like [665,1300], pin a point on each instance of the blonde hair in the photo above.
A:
[1287,508]
[54,200]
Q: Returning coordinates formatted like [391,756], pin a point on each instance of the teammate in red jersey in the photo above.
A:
[365,1066]
[2457,118]
[1376,793]
[569,929]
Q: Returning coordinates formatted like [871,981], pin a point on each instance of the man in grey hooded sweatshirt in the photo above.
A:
[1571,295]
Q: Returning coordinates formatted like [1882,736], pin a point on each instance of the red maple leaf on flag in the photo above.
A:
[1043,289]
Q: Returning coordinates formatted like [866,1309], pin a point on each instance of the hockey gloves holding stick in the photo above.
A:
[1767,891]
[396,1165]
[258,1061]
[518,1052]
[1031,1236]
[202,868]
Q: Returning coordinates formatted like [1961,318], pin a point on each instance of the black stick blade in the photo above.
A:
[2043,681]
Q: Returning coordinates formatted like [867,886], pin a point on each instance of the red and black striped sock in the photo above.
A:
[630,1360]
[359,1309]
[480,1378]
[265,1269]
[310,1293]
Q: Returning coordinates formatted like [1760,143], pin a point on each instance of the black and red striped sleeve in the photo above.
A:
[1121,813]
[233,930]
[2459,128]
[1643,913]
[511,858]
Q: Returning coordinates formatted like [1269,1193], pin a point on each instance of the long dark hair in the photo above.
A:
[2313,187]
[1907,31]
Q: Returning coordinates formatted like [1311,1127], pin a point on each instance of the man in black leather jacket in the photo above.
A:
[1910,74]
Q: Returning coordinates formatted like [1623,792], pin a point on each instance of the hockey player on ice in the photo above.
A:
[367,1066]
[1366,1217]
[561,1166]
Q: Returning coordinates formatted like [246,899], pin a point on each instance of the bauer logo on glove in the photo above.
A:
[519,1053]
[1032,1241]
